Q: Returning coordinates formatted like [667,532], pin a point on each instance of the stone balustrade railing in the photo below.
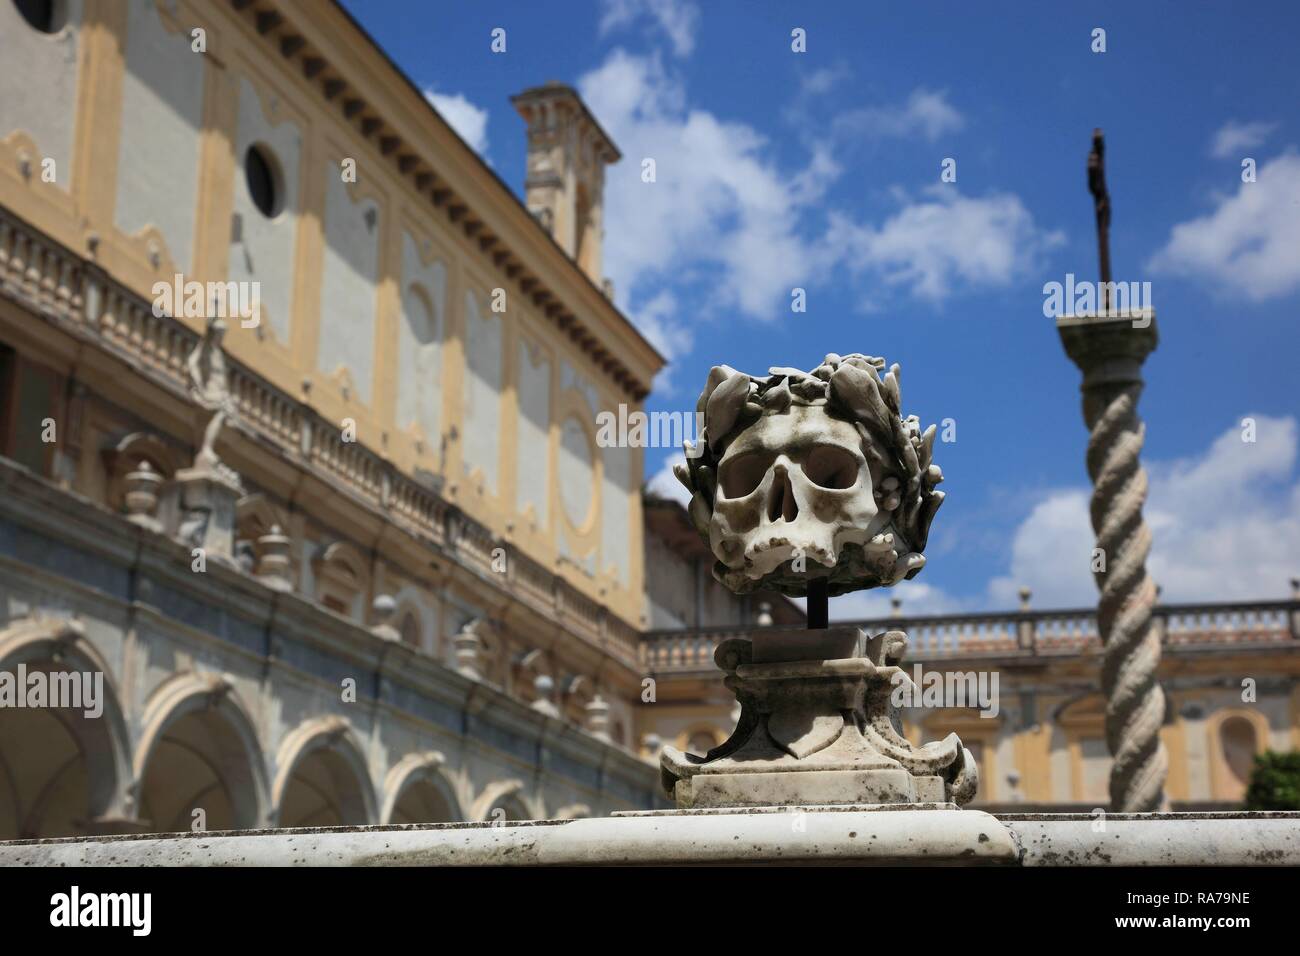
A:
[82,299]
[1027,634]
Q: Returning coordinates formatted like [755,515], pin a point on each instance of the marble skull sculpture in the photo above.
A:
[798,472]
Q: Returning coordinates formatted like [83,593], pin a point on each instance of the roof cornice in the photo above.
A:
[388,110]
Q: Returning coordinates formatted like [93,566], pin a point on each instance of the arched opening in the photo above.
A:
[62,768]
[1238,742]
[200,771]
[341,579]
[49,758]
[323,791]
[503,800]
[410,629]
[419,392]
[512,808]
[586,232]
[323,781]
[418,790]
[422,802]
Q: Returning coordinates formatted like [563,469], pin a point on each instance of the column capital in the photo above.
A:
[1109,349]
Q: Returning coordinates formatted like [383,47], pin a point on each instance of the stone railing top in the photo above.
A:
[1028,633]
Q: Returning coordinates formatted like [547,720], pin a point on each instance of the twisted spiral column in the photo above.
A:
[1110,353]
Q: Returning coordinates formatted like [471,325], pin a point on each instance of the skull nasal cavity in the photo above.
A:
[781,503]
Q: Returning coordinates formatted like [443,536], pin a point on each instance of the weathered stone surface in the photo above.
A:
[924,834]
[858,835]
[1157,839]
[820,731]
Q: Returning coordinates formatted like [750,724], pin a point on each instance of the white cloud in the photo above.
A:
[918,597]
[664,483]
[926,113]
[468,120]
[823,80]
[1250,244]
[719,215]
[1050,553]
[1233,137]
[729,229]
[656,321]
[1226,526]
[930,246]
[676,19]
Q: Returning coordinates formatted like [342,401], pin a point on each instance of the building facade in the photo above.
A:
[353,554]
[398,580]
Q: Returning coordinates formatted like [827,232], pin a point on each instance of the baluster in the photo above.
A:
[63,292]
[17,266]
[6,237]
[46,269]
[33,276]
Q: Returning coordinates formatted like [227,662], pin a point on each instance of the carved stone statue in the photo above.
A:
[205,493]
[812,483]
[803,469]
[206,365]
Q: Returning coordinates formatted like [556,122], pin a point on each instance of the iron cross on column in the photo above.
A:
[1101,202]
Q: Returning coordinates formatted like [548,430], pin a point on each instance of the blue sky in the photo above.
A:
[821,170]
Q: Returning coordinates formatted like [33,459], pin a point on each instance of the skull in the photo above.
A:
[802,472]
[790,486]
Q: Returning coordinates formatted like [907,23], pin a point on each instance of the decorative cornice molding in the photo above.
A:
[426,172]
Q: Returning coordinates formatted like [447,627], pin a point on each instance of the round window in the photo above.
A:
[264,183]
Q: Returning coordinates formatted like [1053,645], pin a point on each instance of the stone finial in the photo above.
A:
[469,650]
[895,607]
[141,499]
[273,561]
[544,695]
[384,607]
[1295,589]
[1025,595]
[764,618]
[597,718]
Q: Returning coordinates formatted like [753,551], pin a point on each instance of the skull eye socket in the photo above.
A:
[739,476]
[831,467]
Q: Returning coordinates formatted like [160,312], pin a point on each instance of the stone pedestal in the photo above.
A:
[818,727]
[206,501]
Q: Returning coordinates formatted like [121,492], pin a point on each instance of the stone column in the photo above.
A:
[1109,350]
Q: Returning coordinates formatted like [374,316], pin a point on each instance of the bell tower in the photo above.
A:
[565,183]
